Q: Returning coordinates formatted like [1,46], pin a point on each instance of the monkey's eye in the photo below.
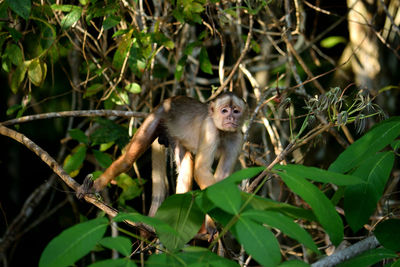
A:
[236,111]
[224,110]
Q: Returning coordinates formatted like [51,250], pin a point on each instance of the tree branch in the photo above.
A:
[52,163]
[348,253]
[76,113]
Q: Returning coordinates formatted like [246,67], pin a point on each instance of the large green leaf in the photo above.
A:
[225,194]
[189,256]
[388,234]
[260,203]
[21,7]
[73,243]
[320,175]
[369,258]
[283,223]
[120,243]
[294,263]
[372,142]
[320,204]
[258,241]
[182,213]
[114,263]
[360,200]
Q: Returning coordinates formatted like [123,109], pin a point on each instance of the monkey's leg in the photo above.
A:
[184,181]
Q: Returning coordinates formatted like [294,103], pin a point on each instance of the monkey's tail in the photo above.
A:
[158,176]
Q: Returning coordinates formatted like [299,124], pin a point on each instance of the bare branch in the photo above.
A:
[77,113]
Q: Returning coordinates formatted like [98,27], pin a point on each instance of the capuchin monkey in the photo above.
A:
[198,133]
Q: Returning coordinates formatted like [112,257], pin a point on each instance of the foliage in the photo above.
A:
[251,225]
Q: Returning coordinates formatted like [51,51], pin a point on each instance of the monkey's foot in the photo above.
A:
[86,187]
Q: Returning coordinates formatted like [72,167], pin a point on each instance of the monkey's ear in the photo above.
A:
[211,108]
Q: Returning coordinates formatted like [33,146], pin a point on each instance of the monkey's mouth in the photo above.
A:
[231,125]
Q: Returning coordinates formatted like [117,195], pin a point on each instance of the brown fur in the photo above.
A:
[198,132]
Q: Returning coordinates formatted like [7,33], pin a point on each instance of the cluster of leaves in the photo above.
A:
[27,54]
[341,109]
[360,173]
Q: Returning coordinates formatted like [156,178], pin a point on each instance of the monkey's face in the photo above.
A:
[227,113]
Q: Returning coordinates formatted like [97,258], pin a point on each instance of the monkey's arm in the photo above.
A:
[231,148]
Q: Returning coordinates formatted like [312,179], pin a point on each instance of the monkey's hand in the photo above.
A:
[210,227]
[86,187]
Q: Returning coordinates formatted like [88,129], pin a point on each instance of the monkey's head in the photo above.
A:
[228,112]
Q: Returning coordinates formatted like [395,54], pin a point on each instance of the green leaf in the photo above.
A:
[283,223]
[258,241]
[37,71]
[332,41]
[120,98]
[320,204]
[103,159]
[79,136]
[376,139]
[161,39]
[369,258]
[395,145]
[63,8]
[73,162]
[360,200]
[14,54]
[73,243]
[320,175]
[131,188]
[18,76]
[205,64]
[159,225]
[190,256]
[294,263]
[120,243]
[114,263]
[14,108]
[122,50]
[21,7]
[110,22]
[180,67]
[225,194]
[388,234]
[72,17]
[260,203]
[203,257]
[93,89]
[109,132]
[186,220]
[133,88]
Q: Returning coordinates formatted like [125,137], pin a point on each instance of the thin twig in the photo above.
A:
[236,66]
